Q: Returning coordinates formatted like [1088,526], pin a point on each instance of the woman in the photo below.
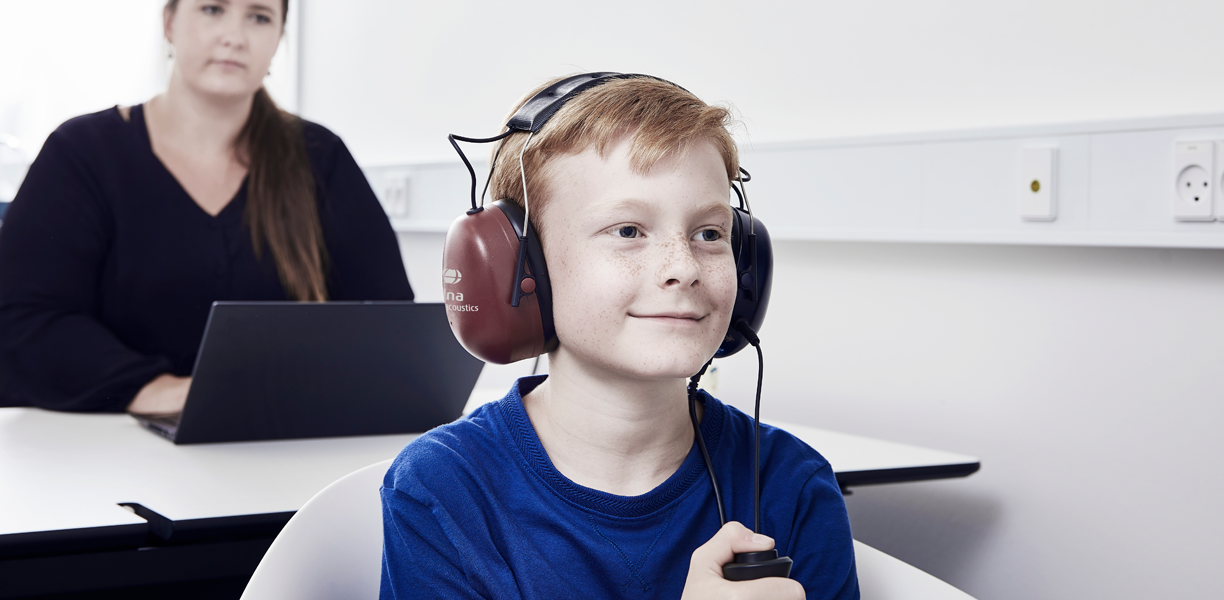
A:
[131,222]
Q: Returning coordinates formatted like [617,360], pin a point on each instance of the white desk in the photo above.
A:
[212,509]
[859,460]
[61,471]
[63,477]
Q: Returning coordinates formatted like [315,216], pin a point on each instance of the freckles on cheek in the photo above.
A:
[591,292]
[724,278]
[723,283]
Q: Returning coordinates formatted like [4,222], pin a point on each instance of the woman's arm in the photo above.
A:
[365,261]
[54,352]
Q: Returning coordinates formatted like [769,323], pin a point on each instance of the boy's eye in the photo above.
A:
[709,235]
[626,231]
[261,19]
[211,9]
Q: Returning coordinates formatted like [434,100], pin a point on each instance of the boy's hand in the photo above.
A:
[705,578]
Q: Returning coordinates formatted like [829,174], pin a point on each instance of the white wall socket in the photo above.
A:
[1194,181]
[1219,172]
[395,194]
[1039,184]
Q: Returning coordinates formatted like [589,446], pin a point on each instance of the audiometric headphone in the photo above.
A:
[499,298]
[496,287]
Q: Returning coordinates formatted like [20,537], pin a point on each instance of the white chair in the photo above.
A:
[882,577]
[332,548]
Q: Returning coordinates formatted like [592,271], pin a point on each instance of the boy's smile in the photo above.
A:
[641,265]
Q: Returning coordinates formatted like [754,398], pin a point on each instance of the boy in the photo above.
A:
[586,483]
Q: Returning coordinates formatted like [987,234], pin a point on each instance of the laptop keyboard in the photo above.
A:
[165,420]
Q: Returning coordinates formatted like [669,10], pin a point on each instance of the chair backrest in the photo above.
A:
[332,547]
[882,577]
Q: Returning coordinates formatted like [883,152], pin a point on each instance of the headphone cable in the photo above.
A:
[705,454]
[472,172]
[749,334]
[756,439]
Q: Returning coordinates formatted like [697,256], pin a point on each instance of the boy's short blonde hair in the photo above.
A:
[664,120]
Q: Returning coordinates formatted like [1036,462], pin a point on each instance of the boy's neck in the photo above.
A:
[616,435]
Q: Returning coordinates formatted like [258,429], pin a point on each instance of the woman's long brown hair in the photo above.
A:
[282,210]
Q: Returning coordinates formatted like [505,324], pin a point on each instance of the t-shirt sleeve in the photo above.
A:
[54,352]
[418,559]
[821,544]
[365,261]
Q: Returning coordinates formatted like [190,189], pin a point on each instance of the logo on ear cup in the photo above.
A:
[451,277]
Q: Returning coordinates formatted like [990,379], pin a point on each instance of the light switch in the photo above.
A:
[1038,184]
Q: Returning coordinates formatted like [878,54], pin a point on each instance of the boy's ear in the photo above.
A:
[479,262]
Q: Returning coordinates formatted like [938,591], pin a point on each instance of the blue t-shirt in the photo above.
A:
[475,509]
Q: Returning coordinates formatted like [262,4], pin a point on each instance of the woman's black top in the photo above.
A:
[108,267]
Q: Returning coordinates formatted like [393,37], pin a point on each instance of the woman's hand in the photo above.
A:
[165,395]
[705,578]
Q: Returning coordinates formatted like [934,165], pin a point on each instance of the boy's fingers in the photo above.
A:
[732,539]
[778,588]
[705,578]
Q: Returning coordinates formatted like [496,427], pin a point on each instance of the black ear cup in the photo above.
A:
[754,273]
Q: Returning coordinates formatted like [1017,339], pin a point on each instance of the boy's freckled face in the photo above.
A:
[642,271]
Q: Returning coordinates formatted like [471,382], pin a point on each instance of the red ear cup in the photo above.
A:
[478,262]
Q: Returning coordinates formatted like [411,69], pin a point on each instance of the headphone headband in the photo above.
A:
[541,107]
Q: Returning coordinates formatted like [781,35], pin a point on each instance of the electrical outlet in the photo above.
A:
[1038,184]
[1194,181]
[395,195]
[1219,171]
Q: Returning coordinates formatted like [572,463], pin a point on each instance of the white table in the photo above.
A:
[64,476]
[210,510]
[63,470]
[860,460]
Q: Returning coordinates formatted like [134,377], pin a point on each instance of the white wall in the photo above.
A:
[1087,379]
[396,77]
[65,58]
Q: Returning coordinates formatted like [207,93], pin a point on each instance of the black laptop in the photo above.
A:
[280,370]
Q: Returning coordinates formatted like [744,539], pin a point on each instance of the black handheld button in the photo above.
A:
[755,565]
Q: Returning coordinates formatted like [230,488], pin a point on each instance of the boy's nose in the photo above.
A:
[679,267]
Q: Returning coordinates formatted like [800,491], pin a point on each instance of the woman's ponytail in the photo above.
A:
[282,210]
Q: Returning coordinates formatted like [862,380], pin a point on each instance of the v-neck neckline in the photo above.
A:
[225,215]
